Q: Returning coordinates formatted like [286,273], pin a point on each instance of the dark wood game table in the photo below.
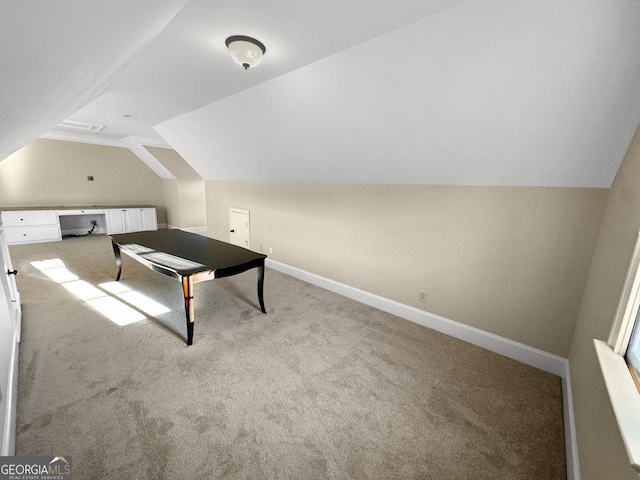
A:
[189,258]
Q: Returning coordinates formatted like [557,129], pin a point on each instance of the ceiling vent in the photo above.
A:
[89,127]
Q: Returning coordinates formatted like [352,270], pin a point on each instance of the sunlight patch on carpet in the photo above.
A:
[134,298]
[55,270]
[112,308]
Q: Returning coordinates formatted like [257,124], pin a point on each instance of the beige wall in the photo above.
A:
[54,173]
[185,196]
[172,202]
[601,452]
[510,261]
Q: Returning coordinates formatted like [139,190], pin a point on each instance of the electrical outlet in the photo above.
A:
[270,250]
[90,178]
[422,296]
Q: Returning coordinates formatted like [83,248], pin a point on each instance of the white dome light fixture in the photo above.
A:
[245,51]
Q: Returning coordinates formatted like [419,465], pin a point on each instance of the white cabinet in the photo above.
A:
[115,221]
[10,315]
[132,219]
[31,226]
[127,220]
[148,219]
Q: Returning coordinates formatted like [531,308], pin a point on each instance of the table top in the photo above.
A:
[199,252]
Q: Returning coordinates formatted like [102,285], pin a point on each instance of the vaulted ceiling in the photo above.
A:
[478,92]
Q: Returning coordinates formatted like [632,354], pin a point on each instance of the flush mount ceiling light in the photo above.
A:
[245,51]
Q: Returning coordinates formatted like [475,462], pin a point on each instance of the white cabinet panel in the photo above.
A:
[127,220]
[88,211]
[10,314]
[115,221]
[44,233]
[132,219]
[29,218]
[9,285]
[148,219]
[31,226]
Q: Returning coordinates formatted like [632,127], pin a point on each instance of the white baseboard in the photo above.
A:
[570,439]
[516,351]
[503,346]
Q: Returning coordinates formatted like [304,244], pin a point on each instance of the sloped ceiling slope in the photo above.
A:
[188,65]
[489,92]
[57,56]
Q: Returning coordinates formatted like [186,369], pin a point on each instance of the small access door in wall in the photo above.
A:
[239,227]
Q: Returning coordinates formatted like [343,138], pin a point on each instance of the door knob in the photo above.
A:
[9,272]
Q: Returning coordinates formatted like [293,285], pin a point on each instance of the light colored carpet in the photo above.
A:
[320,387]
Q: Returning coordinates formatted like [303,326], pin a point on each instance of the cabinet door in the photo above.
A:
[148,220]
[132,220]
[115,221]
[9,285]
[9,336]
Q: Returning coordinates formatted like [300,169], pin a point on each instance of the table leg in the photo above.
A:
[261,287]
[116,252]
[187,289]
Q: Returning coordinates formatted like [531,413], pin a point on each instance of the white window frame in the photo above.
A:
[623,393]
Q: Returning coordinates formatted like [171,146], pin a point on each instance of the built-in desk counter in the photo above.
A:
[50,224]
